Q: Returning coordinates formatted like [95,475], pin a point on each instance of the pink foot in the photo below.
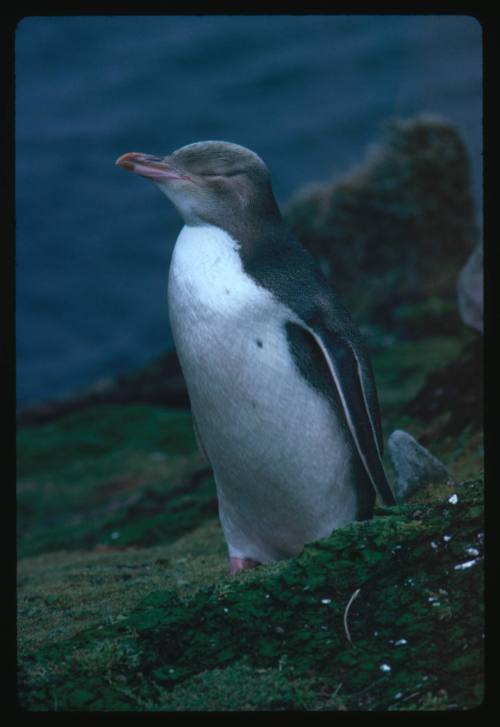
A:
[238,564]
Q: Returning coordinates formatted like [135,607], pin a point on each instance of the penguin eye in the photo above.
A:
[219,175]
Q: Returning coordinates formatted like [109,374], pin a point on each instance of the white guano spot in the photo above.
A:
[401,642]
[385,668]
[472,551]
[467,564]
[326,600]
[453,499]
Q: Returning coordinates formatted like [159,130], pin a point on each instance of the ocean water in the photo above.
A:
[307,93]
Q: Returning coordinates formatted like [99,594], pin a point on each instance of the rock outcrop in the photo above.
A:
[403,222]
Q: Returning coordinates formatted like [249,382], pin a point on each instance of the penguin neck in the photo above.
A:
[260,224]
[207,275]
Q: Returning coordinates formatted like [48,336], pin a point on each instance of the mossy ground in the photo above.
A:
[110,475]
[167,629]
[125,602]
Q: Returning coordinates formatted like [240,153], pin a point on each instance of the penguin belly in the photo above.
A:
[283,461]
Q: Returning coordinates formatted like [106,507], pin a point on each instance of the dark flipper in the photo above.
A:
[348,377]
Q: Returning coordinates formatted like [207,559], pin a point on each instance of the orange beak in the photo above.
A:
[149,166]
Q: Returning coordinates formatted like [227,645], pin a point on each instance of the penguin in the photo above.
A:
[281,387]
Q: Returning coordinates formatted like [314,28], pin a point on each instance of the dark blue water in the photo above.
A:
[307,93]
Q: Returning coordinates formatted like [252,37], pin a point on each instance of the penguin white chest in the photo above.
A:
[281,458]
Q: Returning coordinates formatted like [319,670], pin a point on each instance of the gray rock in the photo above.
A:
[413,465]
[470,290]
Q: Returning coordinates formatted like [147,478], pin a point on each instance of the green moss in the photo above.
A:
[115,475]
[86,435]
[401,368]
[415,612]
[239,686]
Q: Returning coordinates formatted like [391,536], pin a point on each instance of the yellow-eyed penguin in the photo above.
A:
[281,388]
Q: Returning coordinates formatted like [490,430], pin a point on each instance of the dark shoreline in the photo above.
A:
[160,383]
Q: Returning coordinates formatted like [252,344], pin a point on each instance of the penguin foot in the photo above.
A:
[238,564]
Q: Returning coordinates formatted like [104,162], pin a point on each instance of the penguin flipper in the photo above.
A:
[350,381]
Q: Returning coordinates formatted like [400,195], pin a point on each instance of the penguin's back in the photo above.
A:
[285,465]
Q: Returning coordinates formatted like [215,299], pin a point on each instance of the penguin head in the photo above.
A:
[209,181]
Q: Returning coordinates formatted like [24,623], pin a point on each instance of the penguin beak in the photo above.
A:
[147,165]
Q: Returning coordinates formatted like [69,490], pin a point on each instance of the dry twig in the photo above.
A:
[346,612]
